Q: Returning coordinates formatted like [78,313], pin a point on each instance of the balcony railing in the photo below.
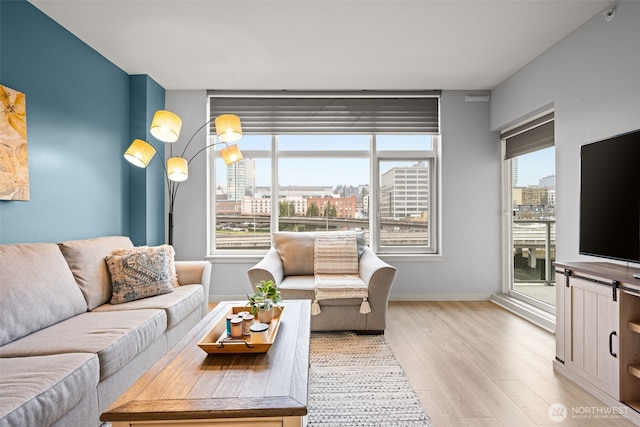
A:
[534,251]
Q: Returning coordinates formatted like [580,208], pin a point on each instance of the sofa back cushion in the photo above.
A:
[296,252]
[37,289]
[86,258]
[296,249]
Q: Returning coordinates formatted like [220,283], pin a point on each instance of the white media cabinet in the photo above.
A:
[598,332]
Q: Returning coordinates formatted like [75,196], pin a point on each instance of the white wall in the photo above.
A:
[470,266]
[592,78]
[190,210]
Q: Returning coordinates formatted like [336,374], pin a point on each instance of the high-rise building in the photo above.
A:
[514,172]
[548,181]
[241,180]
[404,192]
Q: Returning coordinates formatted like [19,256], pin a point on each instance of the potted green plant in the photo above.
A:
[263,301]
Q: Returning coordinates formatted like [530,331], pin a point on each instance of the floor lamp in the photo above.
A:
[166,126]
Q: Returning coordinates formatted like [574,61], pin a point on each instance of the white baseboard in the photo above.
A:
[546,321]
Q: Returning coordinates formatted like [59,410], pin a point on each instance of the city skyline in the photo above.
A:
[355,171]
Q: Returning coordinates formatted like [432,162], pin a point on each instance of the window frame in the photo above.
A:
[431,157]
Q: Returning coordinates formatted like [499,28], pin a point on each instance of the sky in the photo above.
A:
[536,165]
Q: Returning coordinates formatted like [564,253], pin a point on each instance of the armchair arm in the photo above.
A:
[268,268]
[195,272]
[378,275]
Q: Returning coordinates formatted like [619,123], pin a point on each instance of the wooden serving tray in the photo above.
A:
[216,340]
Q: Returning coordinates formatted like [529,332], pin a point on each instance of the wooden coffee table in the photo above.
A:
[189,387]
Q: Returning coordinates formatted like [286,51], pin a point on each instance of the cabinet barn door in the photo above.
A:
[592,345]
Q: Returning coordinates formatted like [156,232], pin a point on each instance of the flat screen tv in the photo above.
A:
[610,198]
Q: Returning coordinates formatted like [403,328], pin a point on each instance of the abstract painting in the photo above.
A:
[14,170]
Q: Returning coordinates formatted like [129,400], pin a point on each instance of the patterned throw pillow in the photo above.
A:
[170,253]
[335,253]
[140,272]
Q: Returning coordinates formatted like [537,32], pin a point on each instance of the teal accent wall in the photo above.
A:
[79,123]
[146,186]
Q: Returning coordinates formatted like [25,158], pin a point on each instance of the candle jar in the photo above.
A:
[247,321]
[259,332]
[236,327]
[229,317]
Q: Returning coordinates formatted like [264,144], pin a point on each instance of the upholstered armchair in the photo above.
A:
[290,264]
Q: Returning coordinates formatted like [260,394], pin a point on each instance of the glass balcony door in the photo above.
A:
[532,228]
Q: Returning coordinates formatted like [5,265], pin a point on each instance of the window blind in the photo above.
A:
[529,137]
[366,112]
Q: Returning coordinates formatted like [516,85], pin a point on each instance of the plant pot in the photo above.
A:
[265,316]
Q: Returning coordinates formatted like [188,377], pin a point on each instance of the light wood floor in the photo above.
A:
[476,364]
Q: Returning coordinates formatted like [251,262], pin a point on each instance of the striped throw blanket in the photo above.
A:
[336,270]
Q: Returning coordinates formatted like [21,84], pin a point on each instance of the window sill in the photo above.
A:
[408,257]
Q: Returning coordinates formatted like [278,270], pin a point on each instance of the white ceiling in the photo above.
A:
[322,44]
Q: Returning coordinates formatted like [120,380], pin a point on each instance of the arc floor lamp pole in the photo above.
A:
[166,127]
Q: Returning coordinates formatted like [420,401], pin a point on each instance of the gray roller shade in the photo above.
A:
[532,136]
[282,113]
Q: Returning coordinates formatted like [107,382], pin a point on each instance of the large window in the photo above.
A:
[334,174]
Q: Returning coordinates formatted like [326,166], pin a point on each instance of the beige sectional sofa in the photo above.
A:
[66,353]
[290,264]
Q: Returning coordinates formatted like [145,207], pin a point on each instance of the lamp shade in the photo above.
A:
[165,126]
[177,169]
[231,154]
[139,153]
[228,127]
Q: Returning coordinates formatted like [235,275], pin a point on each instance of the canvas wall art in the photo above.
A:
[14,170]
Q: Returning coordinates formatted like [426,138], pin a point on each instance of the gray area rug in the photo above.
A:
[355,380]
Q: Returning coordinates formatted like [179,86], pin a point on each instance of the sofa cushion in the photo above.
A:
[37,391]
[38,289]
[303,287]
[141,273]
[177,305]
[86,260]
[296,249]
[116,337]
